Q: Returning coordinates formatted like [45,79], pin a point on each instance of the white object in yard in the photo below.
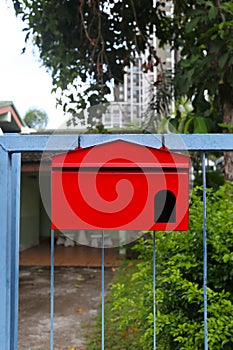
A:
[81,237]
[96,240]
[60,240]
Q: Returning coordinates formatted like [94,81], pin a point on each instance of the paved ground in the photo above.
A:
[77,301]
[78,255]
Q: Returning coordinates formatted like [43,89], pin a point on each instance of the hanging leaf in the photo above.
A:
[191,25]
[200,125]
[187,124]
[213,12]
[226,126]
[223,60]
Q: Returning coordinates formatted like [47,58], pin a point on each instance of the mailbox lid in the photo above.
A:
[120,153]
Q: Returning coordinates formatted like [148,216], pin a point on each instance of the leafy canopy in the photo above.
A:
[36,118]
[202,31]
[86,44]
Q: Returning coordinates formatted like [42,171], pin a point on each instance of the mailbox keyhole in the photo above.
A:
[165,207]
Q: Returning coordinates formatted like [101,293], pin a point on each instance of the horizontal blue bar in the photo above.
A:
[58,142]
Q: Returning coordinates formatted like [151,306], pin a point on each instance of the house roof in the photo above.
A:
[10,120]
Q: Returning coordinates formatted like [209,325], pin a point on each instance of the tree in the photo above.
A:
[86,44]
[202,33]
[36,118]
[92,41]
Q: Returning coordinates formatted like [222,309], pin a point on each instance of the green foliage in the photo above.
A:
[87,44]
[179,291]
[36,118]
[214,179]
[118,336]
[203,32]
[187,121]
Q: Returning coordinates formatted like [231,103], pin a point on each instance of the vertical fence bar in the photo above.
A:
[204,253]
[9,247]
[15,235]
[102,294]
[52,291]
[4,258]
[154,290]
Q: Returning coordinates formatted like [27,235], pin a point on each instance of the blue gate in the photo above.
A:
[11,146]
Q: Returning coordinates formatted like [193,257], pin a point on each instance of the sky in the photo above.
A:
[23,80]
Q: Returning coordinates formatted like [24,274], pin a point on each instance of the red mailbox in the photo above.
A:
[120,185]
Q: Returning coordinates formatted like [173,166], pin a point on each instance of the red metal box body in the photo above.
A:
[120,185]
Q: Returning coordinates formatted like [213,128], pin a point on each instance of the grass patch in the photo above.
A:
[117,335]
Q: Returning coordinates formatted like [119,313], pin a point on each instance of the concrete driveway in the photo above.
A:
[77,301]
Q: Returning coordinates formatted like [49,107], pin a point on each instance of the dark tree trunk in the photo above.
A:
[228,156]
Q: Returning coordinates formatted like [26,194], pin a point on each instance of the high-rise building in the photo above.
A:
[130,98]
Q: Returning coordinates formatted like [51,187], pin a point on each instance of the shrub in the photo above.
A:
[179,294]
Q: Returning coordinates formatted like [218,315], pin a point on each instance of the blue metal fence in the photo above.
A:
[11,146]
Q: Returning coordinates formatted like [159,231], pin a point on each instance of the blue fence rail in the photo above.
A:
[11,146]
